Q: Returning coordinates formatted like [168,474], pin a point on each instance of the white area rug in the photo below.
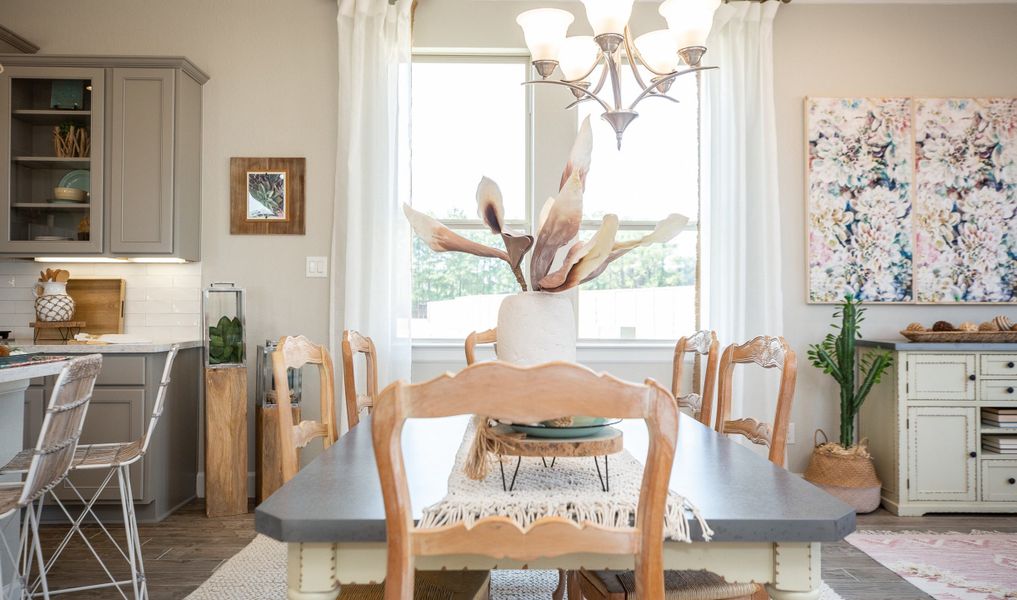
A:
[259,571]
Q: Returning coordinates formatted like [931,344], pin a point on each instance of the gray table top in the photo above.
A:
[337,498]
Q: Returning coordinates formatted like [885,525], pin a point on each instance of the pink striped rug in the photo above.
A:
[980,565]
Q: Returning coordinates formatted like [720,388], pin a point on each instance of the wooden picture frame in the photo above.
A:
[278,205]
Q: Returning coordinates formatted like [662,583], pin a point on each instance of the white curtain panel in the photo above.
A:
[742,235]
[370,238]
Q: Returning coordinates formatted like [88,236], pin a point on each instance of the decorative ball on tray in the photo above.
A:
[1001,329]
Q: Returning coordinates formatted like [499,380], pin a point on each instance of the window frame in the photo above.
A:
[538,169]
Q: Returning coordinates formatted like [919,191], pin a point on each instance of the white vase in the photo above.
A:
[536,327]
[52,304]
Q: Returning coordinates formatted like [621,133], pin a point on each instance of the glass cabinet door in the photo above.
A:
[51,149]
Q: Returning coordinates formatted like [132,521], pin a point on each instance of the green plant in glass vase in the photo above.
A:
[226,341]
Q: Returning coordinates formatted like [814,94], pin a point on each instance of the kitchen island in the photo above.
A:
[122,404]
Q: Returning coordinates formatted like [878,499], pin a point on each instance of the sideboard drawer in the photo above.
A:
[999,480]
[122,370]
[941,377]
[996,390]
[999,365]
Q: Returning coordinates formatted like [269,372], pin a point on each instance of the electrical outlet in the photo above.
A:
[317,266]
[790,433]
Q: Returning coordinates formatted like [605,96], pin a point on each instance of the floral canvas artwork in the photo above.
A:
[860,168]
[966,199]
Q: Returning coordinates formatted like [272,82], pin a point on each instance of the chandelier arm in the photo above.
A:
[593,68]
[574,87]
[664,96]
[603,78]
[575,103]
[634,57]
[649,89]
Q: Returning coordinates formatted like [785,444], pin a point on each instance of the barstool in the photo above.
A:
[47,465]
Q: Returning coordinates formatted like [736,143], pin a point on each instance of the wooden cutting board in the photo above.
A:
[99,303]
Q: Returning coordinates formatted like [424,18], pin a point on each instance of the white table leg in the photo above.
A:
[311,572]
[797,572]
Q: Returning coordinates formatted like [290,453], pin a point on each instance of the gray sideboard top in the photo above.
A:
[906,346]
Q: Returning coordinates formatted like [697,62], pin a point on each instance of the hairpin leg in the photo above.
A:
[605,477]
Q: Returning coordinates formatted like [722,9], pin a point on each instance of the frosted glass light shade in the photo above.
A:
[689,20]
[608,16]
[577,57]
[659,50]
[544,30]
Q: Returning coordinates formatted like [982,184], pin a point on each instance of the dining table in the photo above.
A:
[768,523]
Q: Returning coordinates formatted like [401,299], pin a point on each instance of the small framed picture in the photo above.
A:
[266,196]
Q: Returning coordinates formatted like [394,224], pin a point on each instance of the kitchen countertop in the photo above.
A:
[906,346]
[9,374]
[145,348]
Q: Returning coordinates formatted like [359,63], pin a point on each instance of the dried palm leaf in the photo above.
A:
[594,254]
[491,209]
[565,213]
[440,238]
[665,231]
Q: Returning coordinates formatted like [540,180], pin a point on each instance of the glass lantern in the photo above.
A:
[264,381]
[225,331]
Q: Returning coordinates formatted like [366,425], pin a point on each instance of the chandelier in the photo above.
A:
[666,53]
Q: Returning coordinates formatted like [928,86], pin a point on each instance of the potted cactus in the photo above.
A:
[845,469]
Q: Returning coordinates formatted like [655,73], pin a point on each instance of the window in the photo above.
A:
[648,294]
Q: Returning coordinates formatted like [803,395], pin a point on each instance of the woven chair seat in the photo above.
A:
[678,585]
[9,498]
[86,456]
[430,585]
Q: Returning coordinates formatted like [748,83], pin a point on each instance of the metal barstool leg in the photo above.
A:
[37,545]
[125,499]
[128,500]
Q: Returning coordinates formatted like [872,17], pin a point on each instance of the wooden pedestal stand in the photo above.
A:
[268,464]
[603,443]
[225,441]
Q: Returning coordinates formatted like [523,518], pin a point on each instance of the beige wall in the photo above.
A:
[272,92]
[878,50]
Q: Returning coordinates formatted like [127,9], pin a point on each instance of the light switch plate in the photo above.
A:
[317,266]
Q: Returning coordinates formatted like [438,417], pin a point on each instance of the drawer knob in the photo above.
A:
[972,454]
[1010,365]
[1009,390]
[1011,481]
[971,377]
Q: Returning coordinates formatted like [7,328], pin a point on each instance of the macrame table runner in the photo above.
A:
[569,490]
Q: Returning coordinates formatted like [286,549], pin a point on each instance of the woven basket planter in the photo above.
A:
[846,473]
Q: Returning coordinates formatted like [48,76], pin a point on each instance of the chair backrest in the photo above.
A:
[479,337]
[160,398]
[525,395]
[294,353]
[353,343]
[769,353]
[61,427]
[700,399]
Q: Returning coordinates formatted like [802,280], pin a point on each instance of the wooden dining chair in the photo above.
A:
[294,353]
[768,353]
[354,343]
[479,337]
[700,400]
[525,395]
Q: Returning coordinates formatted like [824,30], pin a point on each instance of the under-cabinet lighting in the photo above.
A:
[157,259]
[79,259]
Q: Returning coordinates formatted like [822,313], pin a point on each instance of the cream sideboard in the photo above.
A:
[925,430]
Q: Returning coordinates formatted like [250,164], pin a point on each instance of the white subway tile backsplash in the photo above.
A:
[162,301]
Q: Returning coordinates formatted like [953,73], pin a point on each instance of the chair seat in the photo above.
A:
[86,456]
[678,585]
[430,585]
[9,495]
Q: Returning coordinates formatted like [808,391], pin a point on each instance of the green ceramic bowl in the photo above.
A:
[581,427]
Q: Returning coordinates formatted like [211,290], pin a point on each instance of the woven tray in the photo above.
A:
[961,336]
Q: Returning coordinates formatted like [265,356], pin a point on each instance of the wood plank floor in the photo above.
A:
[183,551]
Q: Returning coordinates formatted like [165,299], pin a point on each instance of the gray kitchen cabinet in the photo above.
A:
[144,118]
[120,410]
